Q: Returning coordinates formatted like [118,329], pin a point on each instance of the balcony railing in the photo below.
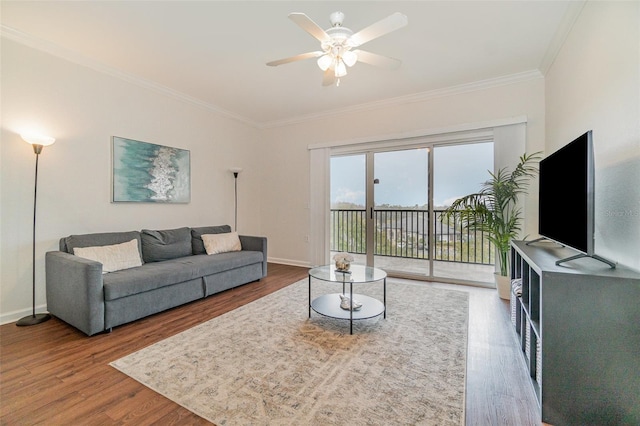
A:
[405,233]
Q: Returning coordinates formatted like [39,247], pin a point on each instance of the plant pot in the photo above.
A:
[503,284]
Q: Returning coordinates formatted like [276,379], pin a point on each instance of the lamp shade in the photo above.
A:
[350,58]
[341,69]
[37,139]
[324,62]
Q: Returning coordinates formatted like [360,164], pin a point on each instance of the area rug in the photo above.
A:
[267,363]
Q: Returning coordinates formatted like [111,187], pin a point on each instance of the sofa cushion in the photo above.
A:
[69,243]
[196,236]
[221,243]
[114,257]
[168,244]
[151,276]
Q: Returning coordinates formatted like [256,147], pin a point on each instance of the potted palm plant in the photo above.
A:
[494,211]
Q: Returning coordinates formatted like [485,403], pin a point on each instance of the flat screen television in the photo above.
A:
[566,195]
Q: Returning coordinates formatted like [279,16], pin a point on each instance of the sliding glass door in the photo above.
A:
[460,253]
[379,208]
[386,210]
[348,221]
[401,210]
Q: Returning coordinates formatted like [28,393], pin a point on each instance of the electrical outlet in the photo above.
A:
[306,238]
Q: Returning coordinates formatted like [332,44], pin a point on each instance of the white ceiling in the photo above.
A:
[214,52]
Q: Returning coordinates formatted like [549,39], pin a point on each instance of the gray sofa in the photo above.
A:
[175,270]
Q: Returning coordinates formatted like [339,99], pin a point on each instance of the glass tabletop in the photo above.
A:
[356,274]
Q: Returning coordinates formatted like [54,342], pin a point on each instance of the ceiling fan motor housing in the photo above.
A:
[338,34]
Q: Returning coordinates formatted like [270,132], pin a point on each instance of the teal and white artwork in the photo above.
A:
[146,172]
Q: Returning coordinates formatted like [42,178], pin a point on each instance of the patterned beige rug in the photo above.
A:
[267,363]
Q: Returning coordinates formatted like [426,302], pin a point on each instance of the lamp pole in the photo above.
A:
[38,143]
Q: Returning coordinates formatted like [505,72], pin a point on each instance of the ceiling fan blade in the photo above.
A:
[309,26]
[377,60]
[295,58]
[380,28]
[329,77]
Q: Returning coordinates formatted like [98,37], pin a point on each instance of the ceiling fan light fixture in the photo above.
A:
[336,44]
[350,58]
[324,62]
[341,69]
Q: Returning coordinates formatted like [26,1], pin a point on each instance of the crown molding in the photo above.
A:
[566,25]
[457,132]
[417,97]
[58,51]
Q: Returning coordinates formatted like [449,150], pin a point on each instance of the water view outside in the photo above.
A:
[401,210]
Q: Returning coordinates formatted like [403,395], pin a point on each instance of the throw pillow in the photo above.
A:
[197,233]
[221,243]
[69,243]
[165,245]
[114,257]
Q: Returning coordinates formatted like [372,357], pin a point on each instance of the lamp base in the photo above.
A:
[33,319]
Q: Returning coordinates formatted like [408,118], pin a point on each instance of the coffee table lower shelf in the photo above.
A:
[329,306]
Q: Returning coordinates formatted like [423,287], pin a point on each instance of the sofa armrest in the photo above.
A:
[256,244]
[74,291]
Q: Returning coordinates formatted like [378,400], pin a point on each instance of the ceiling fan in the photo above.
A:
[339,45]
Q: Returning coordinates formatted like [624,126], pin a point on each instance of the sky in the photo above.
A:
[458,170]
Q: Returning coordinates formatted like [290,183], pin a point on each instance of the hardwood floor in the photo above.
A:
[53,374]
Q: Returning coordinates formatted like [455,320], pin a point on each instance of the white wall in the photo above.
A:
[594,83]
[285,192]
[82,109]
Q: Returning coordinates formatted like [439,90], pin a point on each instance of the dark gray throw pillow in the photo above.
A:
[165,244]
[197,233]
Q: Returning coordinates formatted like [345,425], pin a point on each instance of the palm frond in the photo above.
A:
[493,209]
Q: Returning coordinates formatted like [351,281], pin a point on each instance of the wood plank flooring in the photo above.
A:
[53,374]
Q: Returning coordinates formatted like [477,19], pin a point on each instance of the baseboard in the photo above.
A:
[288,262]
[14,316]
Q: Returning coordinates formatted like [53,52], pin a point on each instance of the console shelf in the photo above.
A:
[578,325]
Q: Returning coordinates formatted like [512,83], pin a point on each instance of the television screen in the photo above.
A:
[566,197]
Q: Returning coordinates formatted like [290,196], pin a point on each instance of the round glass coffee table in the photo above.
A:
[329,304]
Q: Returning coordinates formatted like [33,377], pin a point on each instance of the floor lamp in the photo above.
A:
[38,142]
[236,171]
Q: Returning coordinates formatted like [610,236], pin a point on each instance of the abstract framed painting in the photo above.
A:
[148,173]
